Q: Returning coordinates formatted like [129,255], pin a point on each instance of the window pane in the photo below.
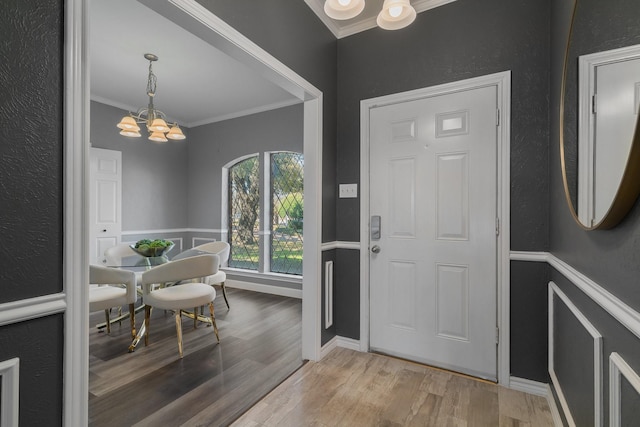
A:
[287,212]
[244,212]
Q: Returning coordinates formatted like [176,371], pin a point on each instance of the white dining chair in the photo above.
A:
[166,287]
[114,254]
[112,287]
[222,249]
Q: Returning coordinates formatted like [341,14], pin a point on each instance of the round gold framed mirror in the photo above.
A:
[577,155]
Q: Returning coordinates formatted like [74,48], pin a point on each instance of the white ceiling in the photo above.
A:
[196,83]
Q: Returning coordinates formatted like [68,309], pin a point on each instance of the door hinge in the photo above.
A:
[498,117]
[497,335]
[497,226]
[594,103]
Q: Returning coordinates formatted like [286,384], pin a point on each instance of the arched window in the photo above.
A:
[265,230]
[244,214]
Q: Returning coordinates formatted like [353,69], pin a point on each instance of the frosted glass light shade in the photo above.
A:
[342,9]
[176,133]
[159,125]
[128,123]
[396,14]
[157,137]
[130,133]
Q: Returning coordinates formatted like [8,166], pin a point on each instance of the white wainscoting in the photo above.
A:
[597,356]
[627,316]
[10,392]
[619,368]
[196,241]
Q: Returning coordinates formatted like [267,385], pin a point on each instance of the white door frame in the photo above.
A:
[503,83]
[76,159]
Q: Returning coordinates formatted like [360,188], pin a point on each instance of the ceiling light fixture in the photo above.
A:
[154,119]
[395,14]
[343,9]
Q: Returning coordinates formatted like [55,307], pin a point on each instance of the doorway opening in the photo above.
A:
[188,14]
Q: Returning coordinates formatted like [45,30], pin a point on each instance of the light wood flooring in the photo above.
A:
[349,388]
[260,346]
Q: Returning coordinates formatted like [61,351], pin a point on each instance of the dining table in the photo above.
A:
[139,264]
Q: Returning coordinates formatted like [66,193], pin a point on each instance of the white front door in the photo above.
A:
[433,272]
[105,211]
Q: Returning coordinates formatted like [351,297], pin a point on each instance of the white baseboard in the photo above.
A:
[555,412]
[328,347]
[265,289]
[528,386]
[338,341]
[349,343]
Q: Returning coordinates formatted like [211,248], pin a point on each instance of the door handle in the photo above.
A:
[375,249]
[104,231]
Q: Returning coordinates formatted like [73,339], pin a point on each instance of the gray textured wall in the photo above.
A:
[294,35]
[611,258]
[456,41]
[31,169]
[213,146]
[154,176]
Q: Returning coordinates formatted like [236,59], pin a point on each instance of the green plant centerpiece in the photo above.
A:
[152,248]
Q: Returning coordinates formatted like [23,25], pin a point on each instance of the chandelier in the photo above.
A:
[395,14]
[154,119]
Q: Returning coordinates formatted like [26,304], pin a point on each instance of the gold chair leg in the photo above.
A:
[106,315]
[147,315]
[132,316]
[213,321]
[179,331]
[224,294]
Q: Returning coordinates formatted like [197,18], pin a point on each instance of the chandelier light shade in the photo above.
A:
[343,9]
[396,14]
[154,119]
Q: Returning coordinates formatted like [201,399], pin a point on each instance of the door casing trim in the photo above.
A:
[502,81]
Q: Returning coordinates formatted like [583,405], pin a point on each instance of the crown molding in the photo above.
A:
[363,24]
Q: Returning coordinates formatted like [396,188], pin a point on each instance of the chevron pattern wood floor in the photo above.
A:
[349,388]
[260,346]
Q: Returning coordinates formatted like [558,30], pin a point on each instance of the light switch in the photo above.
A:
[348,191]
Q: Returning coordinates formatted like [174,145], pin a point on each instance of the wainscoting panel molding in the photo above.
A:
[172,230]
[32,308]
[328,294]
[9,389]
[195,241]
[624,314]
[340,245]
[597,356]
[618,368]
